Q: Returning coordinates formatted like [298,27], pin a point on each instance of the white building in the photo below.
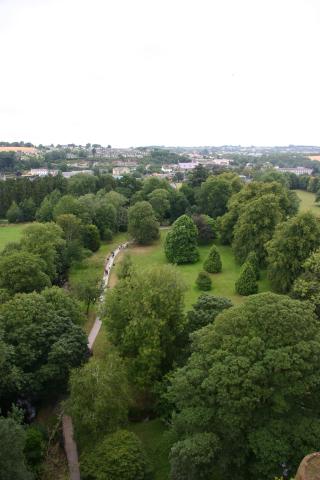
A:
[76,172]
[296,170]
[42,172]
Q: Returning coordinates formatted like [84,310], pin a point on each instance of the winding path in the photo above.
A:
[70,445]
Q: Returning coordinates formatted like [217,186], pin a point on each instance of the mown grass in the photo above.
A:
[308,202]
[223,284]
[10,233]
[155,439]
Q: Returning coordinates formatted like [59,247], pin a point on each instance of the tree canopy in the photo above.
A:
[120,455]
[291,245]
[145,321]
[42,343]
[181,241]
[142,224]
[240,400]
[99,397]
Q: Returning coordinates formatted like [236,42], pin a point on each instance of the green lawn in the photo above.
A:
[10,233]
[155,438]
[308,202]
[223,283]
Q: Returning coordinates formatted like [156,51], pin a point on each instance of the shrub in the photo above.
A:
[35,446]
[204,281]
[119,456]
[213,262]
[247,283]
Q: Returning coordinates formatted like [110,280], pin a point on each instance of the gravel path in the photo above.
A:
[70,445]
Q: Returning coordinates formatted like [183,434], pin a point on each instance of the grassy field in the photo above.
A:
[10,233]
[222,283]
[308,202]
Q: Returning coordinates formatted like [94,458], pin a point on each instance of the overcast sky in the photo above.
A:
[160,72]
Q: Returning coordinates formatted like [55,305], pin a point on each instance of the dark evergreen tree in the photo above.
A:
[213,262]
[203,281]
[247,282]
[181,241]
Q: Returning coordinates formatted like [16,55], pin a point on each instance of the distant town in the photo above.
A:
[20,159]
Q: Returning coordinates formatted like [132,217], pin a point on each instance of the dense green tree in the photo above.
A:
[181,241]
[203,281]
[154,183]
[197,176]
[178,204]
[213,262]
[14,213]
[116,199]
[88,290]
[81,184]
[188,192]
[71,226]
[207,229]
[142,224]
[90,237]
[291,245]
[12,459]
[46,240]
[99,397]
[64,304]
[120,455]
[68,205]
[128,185]
[240,401]
[159,200]
[23,272]
[28,209]
[145,320]
[255,227]
[34,449]
[205,310]
[238,203]
[105,217]
[247,281]
[214,195]
[43,342]
[45,211]
[307,285]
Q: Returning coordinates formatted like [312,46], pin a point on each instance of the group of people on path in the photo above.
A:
[112,255]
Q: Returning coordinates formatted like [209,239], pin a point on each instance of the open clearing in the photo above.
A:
[10,233]
[308,202]
[222,283]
